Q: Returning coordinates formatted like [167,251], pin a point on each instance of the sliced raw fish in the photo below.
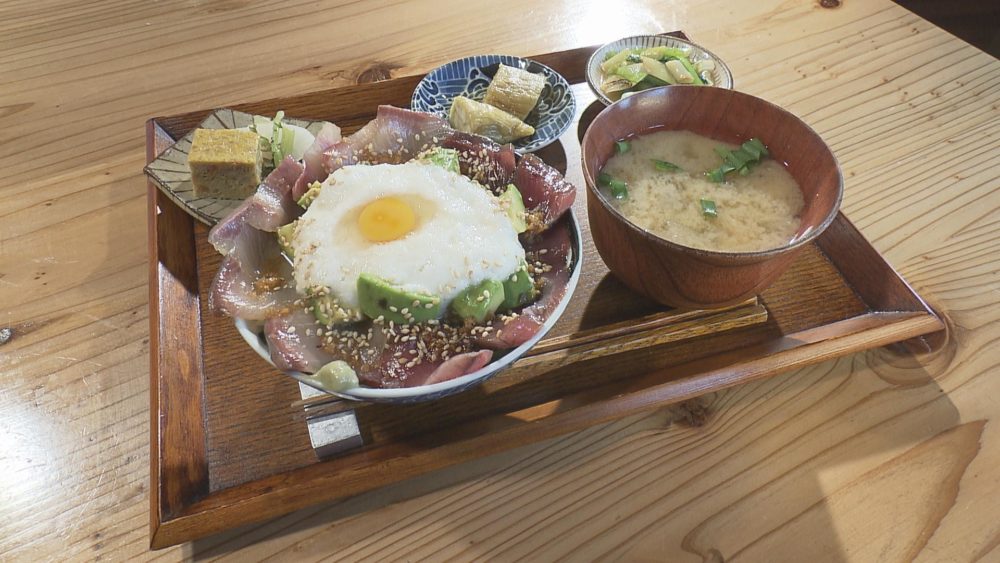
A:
[395,135]
[270,207]
[489,163]
[512,331]
[543,188]
[314,159]
[253,281]
[293,342]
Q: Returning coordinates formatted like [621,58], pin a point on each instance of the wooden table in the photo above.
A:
[879,456]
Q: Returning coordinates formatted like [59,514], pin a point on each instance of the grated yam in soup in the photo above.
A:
[759,211]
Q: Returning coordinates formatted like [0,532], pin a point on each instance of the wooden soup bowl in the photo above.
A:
[684,277]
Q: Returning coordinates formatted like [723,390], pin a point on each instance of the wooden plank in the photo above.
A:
[352,475]
[178,467]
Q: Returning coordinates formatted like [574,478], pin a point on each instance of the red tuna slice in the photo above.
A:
[294,343]
[557,247]
[391,373]
[543,188]
[483,160]
[395,135]
[452,368]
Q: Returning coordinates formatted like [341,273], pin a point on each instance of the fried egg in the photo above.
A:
[415,225]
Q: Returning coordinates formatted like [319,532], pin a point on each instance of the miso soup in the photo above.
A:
[673,184]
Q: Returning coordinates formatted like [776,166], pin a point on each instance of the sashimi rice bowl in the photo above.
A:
[401,263]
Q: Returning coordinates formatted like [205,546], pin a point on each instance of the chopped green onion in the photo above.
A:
[708,208]
[740,160]
[717,175]
[756,147]
[665,166]
[622,147]
[619,189]
[604,179]
[277,138]
[633,58]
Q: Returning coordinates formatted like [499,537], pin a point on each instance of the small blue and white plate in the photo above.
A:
[471,76]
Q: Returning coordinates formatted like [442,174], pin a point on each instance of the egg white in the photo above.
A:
[462,236]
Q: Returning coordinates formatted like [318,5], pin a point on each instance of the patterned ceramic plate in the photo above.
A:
[721,77]
[471,76]
[171,173]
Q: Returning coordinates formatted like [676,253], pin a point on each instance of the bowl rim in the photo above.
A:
[591,79]
[811,235]
[251,333]
[538,144]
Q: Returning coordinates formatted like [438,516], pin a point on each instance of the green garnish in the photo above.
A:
[717,175]
[633,58]
[665,166]
[740,160]
[755,147]
[622,147]
[281,140]
[708,208]
[619,189]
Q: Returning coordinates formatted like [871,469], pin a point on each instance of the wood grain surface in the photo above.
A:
[881,456]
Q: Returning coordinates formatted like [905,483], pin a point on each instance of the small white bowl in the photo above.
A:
[721,76]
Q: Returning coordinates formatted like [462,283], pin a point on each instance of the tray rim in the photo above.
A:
[182,509]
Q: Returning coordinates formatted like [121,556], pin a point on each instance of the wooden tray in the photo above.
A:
[228,437]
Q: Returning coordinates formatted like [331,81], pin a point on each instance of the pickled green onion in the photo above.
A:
[665,166]
[619,189]
[740,160]
[708,208]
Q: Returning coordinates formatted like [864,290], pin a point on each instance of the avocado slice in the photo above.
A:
[518,289]
[512,203]
[307,198]
[379,298]
[478,302]
[285,235]
[445,158]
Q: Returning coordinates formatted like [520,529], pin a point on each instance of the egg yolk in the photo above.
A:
[385,219]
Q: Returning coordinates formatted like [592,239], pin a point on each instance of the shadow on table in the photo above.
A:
[763,471]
